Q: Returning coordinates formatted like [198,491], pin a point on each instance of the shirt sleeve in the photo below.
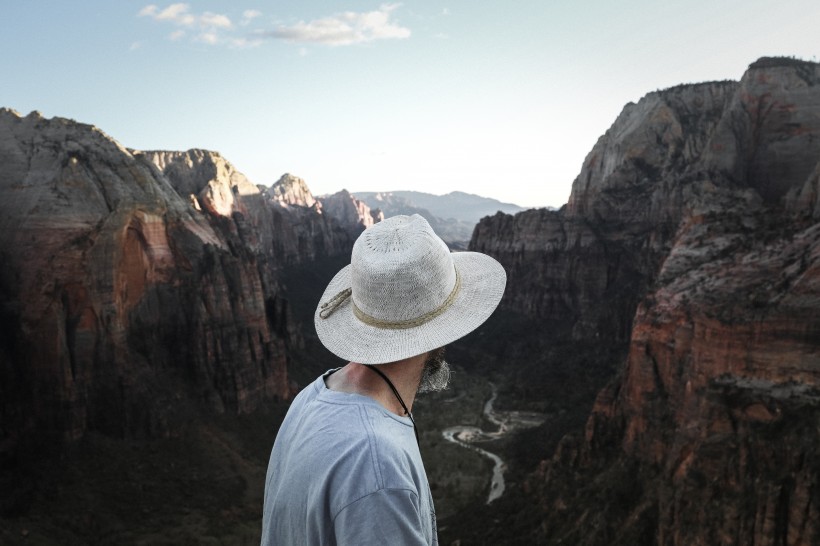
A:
[387,516]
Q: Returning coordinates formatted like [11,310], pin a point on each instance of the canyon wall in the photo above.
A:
[355,215]
[692,238]
[283,224]
[122,305]
[138,288]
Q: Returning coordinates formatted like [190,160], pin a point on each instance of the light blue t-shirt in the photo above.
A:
[346,471]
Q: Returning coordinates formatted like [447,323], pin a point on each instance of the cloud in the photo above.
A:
[180,15]
[249,15]
[208,37]
[336,30]
[344,28]
[215,20]
[176,13]
[207,27]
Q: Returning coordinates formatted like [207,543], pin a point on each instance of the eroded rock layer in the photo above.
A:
[691,236]
[125,307]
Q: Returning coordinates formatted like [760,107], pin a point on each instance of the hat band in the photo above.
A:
[410,323]
[329,307]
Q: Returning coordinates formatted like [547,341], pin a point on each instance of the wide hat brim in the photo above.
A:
[482,285]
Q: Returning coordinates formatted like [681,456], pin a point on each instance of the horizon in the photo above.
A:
[353,193]
[431,96]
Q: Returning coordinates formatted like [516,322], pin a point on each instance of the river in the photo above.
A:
[507,422]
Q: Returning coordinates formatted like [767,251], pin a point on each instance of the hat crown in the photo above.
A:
[401,270]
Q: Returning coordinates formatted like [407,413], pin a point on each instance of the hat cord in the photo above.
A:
[329,306]
[396,392]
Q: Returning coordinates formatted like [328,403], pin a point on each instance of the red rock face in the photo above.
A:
[123,306]
[709,434]
[721,394]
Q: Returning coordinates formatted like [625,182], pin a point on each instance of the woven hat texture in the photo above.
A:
[404,293]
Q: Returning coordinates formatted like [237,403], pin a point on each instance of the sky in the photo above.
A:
[500,99]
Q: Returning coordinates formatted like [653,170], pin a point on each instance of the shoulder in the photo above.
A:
[396,453]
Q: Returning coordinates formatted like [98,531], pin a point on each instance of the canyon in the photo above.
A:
[691,240]
[139,289]
[663,325]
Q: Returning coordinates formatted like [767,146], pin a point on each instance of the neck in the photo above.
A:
[404,374]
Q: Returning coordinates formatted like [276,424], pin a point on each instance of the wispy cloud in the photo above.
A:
[175,13]
[340,29]
[214,20]
[205,27]
[208,38]
[249,15]
[344,28]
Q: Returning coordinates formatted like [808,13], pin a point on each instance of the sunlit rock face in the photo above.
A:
[283,224]
[351,213]
[305,231]
[292,190]
[206,175]
[692,232]
[124,306]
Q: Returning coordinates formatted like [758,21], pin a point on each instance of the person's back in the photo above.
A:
[344,470]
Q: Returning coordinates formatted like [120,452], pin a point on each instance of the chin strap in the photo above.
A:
[396,392]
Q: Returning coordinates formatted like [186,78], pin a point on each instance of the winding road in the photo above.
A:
[506,421]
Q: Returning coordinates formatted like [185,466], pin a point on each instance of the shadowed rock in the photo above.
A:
[124,308]
[690,237]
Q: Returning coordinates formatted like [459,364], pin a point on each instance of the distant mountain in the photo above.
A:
[453,216]
[457,205]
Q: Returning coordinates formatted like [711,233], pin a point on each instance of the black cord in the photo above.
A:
[393,388]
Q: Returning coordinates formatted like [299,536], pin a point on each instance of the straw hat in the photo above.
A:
[404,294]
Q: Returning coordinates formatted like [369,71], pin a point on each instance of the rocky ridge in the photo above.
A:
[291,190]
[453,216]
[282,224]
[350,212]
[691,239]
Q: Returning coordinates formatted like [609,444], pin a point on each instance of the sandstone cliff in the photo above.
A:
[283,225]
[351,213]
[691,237]
[125,309]
[312,232]
[291,190]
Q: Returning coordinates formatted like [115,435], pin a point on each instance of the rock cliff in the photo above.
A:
[691,237]
[351,213]
[124,308]
[283,225]
[311,231]
[291,190]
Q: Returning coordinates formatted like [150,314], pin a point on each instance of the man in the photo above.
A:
[345,467]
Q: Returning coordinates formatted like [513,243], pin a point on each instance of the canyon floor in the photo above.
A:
[206,486]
